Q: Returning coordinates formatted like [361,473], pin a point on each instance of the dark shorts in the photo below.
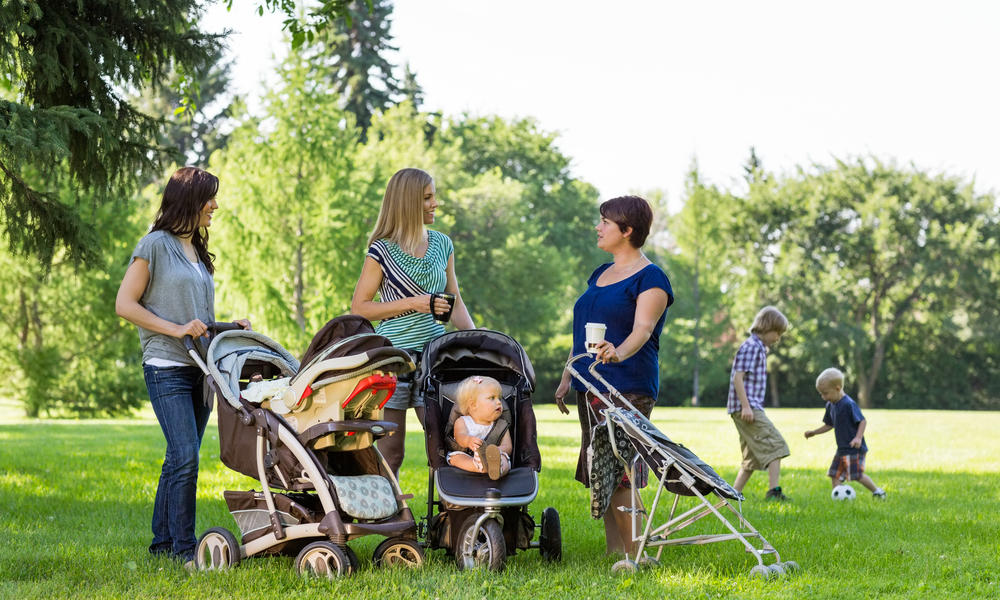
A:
[586,404]
[847,467]
[408,393]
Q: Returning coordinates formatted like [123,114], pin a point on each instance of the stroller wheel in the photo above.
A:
[648,562]
[217,549]
[625,566]
[487,550]
[352,560]
[322,559]
[761,572]
[790,566]
[398,552]
[777,569]
[550,538]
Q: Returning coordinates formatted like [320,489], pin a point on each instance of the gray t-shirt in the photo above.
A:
[179,291]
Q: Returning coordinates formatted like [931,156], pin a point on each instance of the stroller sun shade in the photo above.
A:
[496,347]
[230,350]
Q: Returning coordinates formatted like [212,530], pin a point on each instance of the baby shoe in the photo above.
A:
[493,462]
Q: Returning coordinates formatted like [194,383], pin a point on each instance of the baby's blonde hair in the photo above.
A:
[769,319]
[831,375]
[468,391]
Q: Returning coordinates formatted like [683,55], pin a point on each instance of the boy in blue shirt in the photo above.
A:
[848,424]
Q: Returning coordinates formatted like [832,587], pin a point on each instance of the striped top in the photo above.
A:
[405,276]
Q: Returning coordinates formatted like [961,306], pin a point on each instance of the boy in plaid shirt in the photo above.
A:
[761,443]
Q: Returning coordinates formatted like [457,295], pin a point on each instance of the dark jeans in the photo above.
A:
[176,395]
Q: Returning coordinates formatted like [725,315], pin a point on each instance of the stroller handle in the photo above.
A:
[213,328]
[611,391]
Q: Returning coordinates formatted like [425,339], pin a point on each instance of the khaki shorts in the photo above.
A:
[760,441]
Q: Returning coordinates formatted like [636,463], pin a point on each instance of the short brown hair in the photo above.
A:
[630,211]
[769,319]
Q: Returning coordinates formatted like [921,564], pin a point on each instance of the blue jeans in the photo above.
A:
[176,395]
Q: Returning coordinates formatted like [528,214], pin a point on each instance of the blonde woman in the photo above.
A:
[405,265]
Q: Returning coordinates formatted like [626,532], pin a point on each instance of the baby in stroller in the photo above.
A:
[481,434]
[477,519]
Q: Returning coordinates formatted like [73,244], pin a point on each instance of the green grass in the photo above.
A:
[76,499]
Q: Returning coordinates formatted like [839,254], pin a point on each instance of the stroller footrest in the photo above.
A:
[464,484]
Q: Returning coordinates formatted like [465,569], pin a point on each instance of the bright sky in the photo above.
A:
[637,90]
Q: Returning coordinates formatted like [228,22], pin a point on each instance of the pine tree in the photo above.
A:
[361,75]
[65,118]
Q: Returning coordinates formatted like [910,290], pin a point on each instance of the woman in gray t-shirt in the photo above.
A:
[168,293]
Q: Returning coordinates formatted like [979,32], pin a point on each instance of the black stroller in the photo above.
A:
[311,437]
[478,520]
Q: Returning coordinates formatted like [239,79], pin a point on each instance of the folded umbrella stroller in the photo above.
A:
[307,435]
[632,439]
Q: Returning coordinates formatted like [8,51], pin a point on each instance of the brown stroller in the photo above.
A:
[307,435]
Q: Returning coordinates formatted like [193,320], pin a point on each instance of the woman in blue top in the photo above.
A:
[630,296]
[406,263]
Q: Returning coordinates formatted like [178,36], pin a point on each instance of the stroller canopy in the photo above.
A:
[496,347]
[230,350]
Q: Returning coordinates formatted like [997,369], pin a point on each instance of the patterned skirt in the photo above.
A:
[597,468]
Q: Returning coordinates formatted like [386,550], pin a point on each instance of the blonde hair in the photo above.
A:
[769,319]
[831,375]
[468,391]
[400,219]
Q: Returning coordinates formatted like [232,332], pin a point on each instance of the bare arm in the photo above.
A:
[127,305]
[464,439]
[363,302]
[649,306]
[746,413]
[818,431]
[856,442]
[506,446]
[460,315]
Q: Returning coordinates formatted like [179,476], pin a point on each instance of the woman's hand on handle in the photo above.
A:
[244,323]
[606,352]
[192,328]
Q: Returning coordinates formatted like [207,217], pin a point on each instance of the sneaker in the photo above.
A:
[775,494]
[879,494]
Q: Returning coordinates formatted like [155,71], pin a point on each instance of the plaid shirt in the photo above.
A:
[751,359]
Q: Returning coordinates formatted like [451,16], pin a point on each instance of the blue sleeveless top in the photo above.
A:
[614,305]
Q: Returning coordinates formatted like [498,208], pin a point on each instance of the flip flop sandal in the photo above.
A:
[493,461]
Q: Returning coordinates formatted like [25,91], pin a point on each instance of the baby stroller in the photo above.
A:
[477,519]
[633,438]
[308,433]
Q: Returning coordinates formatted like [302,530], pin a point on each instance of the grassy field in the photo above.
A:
[76,499]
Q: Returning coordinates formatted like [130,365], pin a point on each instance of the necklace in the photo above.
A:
[641,256]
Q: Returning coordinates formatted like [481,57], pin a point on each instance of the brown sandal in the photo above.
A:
[493,461]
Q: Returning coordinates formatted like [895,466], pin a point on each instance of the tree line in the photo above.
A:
[888,272]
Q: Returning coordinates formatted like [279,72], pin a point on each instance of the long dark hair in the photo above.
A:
[186,193]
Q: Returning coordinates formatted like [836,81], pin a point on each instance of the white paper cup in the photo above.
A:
[595,335]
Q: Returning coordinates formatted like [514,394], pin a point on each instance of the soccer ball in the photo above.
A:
[843,492]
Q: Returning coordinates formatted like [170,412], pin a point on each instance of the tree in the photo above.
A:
[698,329]
[65,122]
[286,257]
[359,71]
[864,250]
[68,354]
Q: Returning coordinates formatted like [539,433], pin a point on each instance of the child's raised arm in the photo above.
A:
[464,439]
[818,431]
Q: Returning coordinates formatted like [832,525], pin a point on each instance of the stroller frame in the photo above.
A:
[689,477]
